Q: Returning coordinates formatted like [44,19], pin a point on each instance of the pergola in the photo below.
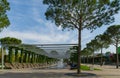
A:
[58,51]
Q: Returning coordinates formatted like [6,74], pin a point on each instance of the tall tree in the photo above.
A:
[86,52]
[114,34]
[93,46]
[81,14]
[4,7]
[104,42]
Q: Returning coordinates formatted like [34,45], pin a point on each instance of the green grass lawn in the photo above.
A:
[84,67]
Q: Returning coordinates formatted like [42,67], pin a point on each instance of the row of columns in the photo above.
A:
[22,56]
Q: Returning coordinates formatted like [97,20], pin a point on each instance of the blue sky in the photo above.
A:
[29,24]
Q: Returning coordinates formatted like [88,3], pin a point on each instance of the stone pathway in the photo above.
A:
[106,72]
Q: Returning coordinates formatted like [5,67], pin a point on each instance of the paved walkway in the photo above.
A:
[42,73]
[106,72]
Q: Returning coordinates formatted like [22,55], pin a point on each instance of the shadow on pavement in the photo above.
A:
[83,74]
[46,75]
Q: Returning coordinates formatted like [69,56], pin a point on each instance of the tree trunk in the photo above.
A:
[87,58]
[79,50]
[101,58]
[84,59]
[93,59]
[117,57]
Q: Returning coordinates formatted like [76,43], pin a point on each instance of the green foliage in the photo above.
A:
[10,57]
[93,45]
[10,40]
[103,40]
[74,55]
[108,53]
[86,51]
[88,13]
[4,7]
[113,33]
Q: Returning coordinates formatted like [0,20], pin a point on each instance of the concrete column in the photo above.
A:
[10,55]
[37,58]
[32,57]
[16,55]
[21,56]
[29,54]
[40,59]
[25,56]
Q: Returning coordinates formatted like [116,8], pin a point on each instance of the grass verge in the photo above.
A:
[85,67]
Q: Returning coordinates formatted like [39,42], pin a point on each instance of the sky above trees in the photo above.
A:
[29,24]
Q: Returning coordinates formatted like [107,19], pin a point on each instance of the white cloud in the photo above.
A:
[40,38]
[74,41]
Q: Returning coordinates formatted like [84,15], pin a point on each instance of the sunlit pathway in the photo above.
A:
[107,71]
[42,73]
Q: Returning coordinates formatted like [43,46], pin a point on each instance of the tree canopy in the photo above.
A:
[10,40]
[89,13]
[4,7]
[114,34]
[103,40]
[93,45]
